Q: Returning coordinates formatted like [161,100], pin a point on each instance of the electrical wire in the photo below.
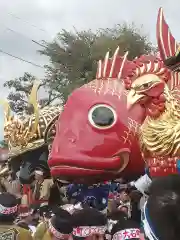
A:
[29,23]
[33,25]
[32,40]
[25,21]
[21,59]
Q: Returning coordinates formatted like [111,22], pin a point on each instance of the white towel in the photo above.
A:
[143,183]
[33,229]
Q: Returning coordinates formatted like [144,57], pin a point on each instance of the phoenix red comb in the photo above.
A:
[112,67]
[166,42]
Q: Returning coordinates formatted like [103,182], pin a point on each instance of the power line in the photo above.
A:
[25,21]
[34,41]
[21,59]
[33,25]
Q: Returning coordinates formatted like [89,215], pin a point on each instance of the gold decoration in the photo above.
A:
[25,133]
[16,133]
[7,111]
[178,50]
[161,136]
[18,130]
[10,234]
[34,102]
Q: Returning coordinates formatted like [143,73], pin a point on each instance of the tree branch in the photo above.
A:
[50,100]
[23,100]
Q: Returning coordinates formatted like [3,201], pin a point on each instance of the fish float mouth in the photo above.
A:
[83,168]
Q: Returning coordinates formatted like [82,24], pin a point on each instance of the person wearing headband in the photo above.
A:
[89,223]
[125,229]
[161,212]
[8,208]
[42,188]
[8,213]
[39,178]
[113,218]
[59,226]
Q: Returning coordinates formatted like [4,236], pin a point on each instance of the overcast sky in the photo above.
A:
[50,16]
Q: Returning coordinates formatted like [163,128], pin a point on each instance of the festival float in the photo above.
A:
[153,84]
[28,137]
[107,132]
[96,137]
[110,126]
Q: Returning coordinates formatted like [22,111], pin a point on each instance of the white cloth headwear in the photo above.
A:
[110,224]
[71,208]
[17,174]
[143,183]
[39,172]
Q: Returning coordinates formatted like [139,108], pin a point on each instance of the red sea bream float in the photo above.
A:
[95,135]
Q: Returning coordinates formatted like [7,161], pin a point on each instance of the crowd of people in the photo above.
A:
[115,210]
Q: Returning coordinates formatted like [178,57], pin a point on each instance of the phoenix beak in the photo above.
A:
[132,98]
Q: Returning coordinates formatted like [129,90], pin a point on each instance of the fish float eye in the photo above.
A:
[102,116]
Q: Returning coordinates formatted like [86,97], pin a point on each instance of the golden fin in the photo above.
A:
[33,100]
[178,50]
[7,109]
